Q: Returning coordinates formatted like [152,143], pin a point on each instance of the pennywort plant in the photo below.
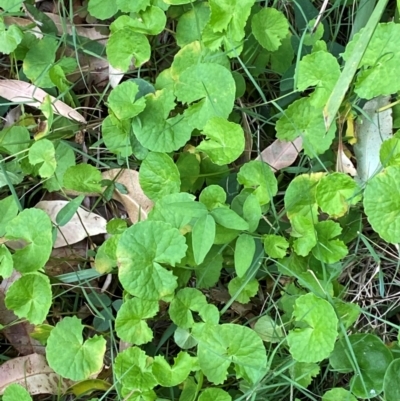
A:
[212,220]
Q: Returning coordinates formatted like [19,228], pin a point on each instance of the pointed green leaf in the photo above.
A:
[203,234]
[244,253]
[229,219]
[207,273]
[67,212]
[141,251]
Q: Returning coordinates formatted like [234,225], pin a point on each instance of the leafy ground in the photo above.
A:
[199,200]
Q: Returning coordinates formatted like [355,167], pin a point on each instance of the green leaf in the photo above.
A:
[79,359]
[34,227]
[8,210]
[225,141]
[209,90]
[258,175]
[348,312]
[6,262]
[242,291]
[133,369]
[83,178]
[170,376]
[117,135]
[392,391]
[11,6]
[302,119]
[303,373]
[372,357]
[389,153]
[214,394]
[320,70]
[9,38]
[141,251]
[335,193]
[380,62]
[191,24]
[252,212]
[268,329]
[155,131]
[339,394]
[229,219]
[38,60]
[65,158]
[213,196]
[300,196]
[381,204]
[15,392]
[67,212]
[106,255]
[43,152]
[329,250]
[207,274]
[185,301]
[14,139]
[151,21]
[125,44]
[270,27]
[221,345]
[275,246]
[130,324]
[122,101]
[244,253]
[128,6]
[304,232]
[203,235]
[159,176]
[101,10]
[30,297]
[316,339]
[189,169]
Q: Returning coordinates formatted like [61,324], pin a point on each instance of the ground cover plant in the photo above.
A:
[199,200]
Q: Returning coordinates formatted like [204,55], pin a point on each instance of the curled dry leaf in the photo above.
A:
[23,92]
[18,335]
[33,373]
[281,154]
[136,203]
[82,224]
[344,164]
[23,23]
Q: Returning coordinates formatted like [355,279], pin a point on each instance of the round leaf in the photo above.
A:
[43,152]
[225,141]
[275,246]
[83,178]
[214,394]
[141,251]
[130,325]
[381,204]
[242,291]
[15,392]
[170,376]
[30,297]
[392,390]
[70,356]
[159,176]
[339,394]
[316,339]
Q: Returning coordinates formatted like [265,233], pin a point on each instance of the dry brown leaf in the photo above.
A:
[344,164]
[33,373]
[23,92]
[23,22]
[17,334]
[281,154]
[82,224]
[136,203]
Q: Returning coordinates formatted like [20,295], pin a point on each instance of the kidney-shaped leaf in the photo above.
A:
[315,340]
[141,251]
[69,355]
[381,204]
[34,227]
